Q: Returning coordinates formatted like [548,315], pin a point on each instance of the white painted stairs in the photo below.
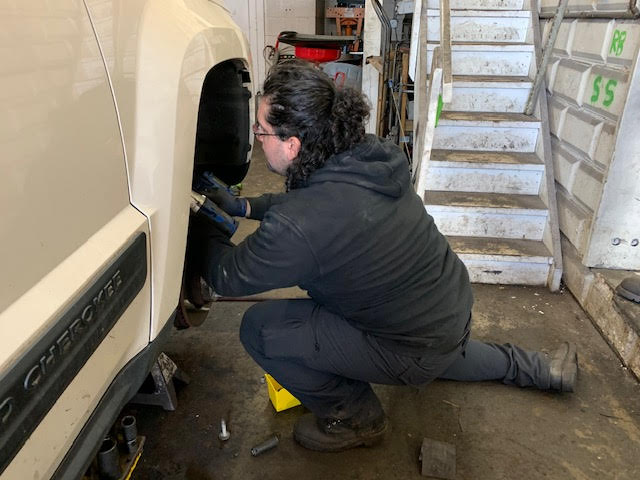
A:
[487,178]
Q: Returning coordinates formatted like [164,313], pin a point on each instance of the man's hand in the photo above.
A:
[218,192]
[234,206]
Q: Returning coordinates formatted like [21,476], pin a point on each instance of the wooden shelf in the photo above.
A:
[336,12]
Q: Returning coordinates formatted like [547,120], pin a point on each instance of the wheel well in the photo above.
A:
[222,135]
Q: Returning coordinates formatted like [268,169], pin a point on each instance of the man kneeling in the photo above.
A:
[390,302]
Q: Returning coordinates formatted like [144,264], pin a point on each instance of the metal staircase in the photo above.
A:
[485,170]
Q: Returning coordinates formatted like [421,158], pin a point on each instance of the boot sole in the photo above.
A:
[628,294]
[367,440]
[568,368]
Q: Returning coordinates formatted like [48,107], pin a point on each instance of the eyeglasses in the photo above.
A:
[256,131]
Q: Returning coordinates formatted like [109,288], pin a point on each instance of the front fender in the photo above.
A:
[158,53]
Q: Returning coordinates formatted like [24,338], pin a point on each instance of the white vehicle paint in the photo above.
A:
[100,122]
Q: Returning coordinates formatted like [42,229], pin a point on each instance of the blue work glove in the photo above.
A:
[234,206]
[215,189]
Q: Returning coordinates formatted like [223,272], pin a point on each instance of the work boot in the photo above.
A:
[629,288]
[563,368]
[362,423]
[335,435]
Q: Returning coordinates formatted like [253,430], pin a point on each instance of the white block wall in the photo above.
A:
[588,81]
[548,7]
[293,15]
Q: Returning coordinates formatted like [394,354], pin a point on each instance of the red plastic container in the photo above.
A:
[317,55]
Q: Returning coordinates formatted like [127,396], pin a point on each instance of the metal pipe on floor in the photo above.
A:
[266,445]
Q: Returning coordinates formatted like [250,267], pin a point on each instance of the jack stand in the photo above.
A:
[163,373]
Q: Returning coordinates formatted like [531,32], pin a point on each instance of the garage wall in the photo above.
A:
[263,20]
[588,82]
[249,15]
[282,15]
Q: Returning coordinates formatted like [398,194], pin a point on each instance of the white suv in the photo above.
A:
[107,110]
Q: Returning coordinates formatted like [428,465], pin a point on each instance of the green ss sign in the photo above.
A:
[609,93]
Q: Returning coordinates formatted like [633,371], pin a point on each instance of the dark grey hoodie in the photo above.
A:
[359,240]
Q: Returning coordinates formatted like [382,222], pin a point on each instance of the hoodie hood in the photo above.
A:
[375,164]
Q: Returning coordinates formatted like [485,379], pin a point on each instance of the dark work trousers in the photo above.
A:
[328,364]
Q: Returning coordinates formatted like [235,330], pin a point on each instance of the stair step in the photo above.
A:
[488,45]
[486,131]
[484,172]
[501,81]
[480,12]
[531,250]
[514,159]
[487,201]
[503,119]
[474,214]
[498,139]
[479,4]
[489,94]
[512,59]
[503,260]
[481,26]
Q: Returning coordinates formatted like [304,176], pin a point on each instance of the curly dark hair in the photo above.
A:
[305,103]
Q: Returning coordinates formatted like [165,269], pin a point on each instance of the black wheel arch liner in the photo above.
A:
[223,129]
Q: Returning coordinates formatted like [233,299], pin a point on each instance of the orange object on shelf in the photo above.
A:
[347,18]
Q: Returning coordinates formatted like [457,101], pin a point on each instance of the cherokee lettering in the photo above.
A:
[109,288]
[99,299]
[87,313]
[64,342]
[6,408]
[48,360]
[76,328]
[38,379]
[33,377]
[117,279]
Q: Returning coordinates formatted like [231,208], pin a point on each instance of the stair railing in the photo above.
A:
[431,97]
[546,56]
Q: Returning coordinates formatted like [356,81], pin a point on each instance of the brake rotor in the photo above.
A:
[193,304]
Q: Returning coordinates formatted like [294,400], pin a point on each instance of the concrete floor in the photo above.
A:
[500,432]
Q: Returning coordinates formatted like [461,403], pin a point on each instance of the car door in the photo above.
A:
[74,283]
